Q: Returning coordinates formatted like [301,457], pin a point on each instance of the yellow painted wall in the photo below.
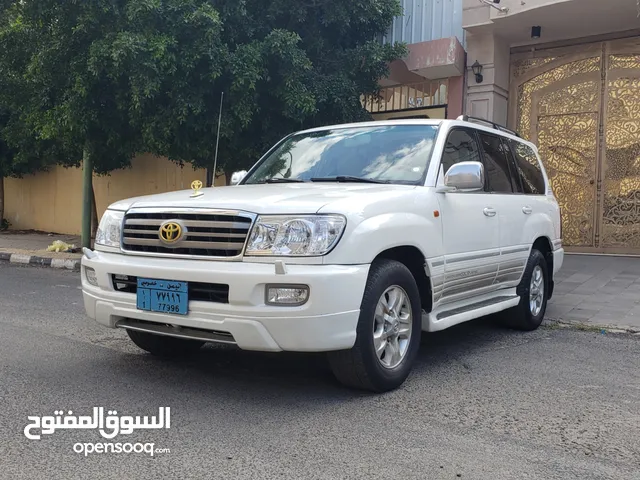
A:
[52,201]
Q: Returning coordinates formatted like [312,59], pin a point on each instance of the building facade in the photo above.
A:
[429,81]
[565,74]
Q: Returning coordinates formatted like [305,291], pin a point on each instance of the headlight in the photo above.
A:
[308,235]
[109,230]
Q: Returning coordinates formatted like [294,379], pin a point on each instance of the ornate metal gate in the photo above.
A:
[581,106]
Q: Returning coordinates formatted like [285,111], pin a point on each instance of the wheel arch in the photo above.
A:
[412,258]
[543,245]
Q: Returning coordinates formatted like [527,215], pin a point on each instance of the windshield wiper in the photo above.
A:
[347,178]
[283,180]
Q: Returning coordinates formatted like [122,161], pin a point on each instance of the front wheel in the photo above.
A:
[388,331]
[534,293]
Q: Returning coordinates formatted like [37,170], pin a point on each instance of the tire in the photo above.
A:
[525,317]
[164,346]
[360,367]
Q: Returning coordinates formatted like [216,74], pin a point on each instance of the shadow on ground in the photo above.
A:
[231,369]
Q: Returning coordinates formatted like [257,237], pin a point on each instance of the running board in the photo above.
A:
[443,319]
[475,306]
[176,331]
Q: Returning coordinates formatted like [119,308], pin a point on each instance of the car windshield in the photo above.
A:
[372,154]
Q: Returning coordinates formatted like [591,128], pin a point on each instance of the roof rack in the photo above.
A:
[467,118]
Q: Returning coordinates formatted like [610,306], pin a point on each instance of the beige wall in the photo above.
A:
[477,13]
[52,201]
[488,99]
[559,19]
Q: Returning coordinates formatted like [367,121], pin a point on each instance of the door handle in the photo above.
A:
[489,212]
[527,210]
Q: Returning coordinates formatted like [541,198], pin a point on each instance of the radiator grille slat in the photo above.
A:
[212,235]
[226,224]
[153,233]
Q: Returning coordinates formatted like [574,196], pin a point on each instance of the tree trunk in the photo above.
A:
[209,181]
[94,215]
[1,201]
[87,195]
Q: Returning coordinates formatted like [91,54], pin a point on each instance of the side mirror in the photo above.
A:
[237,177]
[465,177]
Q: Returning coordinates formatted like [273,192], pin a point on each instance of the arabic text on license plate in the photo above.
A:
[167,296]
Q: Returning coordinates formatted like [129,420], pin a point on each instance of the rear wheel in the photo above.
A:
[164,346]
[533,291]
[388,332]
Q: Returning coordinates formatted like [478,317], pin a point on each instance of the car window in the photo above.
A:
[528,168]
[516,183]
[496,163]
[460,147]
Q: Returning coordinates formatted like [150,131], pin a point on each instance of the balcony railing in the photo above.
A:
[429,93]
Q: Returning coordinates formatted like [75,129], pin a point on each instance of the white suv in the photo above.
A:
[350,239]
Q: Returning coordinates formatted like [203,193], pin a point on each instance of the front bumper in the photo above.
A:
[327,321]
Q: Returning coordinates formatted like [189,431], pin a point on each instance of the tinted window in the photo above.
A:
[460,147]
[516,184]
[496,163]
[528,169]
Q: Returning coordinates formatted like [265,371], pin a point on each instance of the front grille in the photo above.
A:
[202,292]
[205,235]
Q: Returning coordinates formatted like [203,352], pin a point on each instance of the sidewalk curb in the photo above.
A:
[599,327]
[22,259]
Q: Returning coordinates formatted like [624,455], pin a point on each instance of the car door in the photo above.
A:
[470,227]
[534,199]
[506,191]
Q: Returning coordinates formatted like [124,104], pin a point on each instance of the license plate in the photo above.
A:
[166,296]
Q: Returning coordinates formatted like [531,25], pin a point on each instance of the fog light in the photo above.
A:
[90,274]
[289,295]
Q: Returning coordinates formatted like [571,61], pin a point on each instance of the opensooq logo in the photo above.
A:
[109,426]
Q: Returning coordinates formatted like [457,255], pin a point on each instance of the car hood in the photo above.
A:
[295,198]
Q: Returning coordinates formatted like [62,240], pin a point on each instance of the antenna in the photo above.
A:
[215,158]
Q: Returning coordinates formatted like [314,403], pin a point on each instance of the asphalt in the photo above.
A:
[482,403]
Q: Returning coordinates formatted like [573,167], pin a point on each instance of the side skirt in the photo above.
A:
[452,314]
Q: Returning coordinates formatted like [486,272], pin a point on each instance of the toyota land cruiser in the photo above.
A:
[348,239]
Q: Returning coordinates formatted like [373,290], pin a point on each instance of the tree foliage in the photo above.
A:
[22,150]
[282,64]
[51,48]
[119,77]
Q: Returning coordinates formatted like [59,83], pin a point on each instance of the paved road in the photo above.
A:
[483,403]
[598,290]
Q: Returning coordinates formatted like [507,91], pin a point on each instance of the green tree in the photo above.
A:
[22,150]
[52,49]
[282,65]
[112,78]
